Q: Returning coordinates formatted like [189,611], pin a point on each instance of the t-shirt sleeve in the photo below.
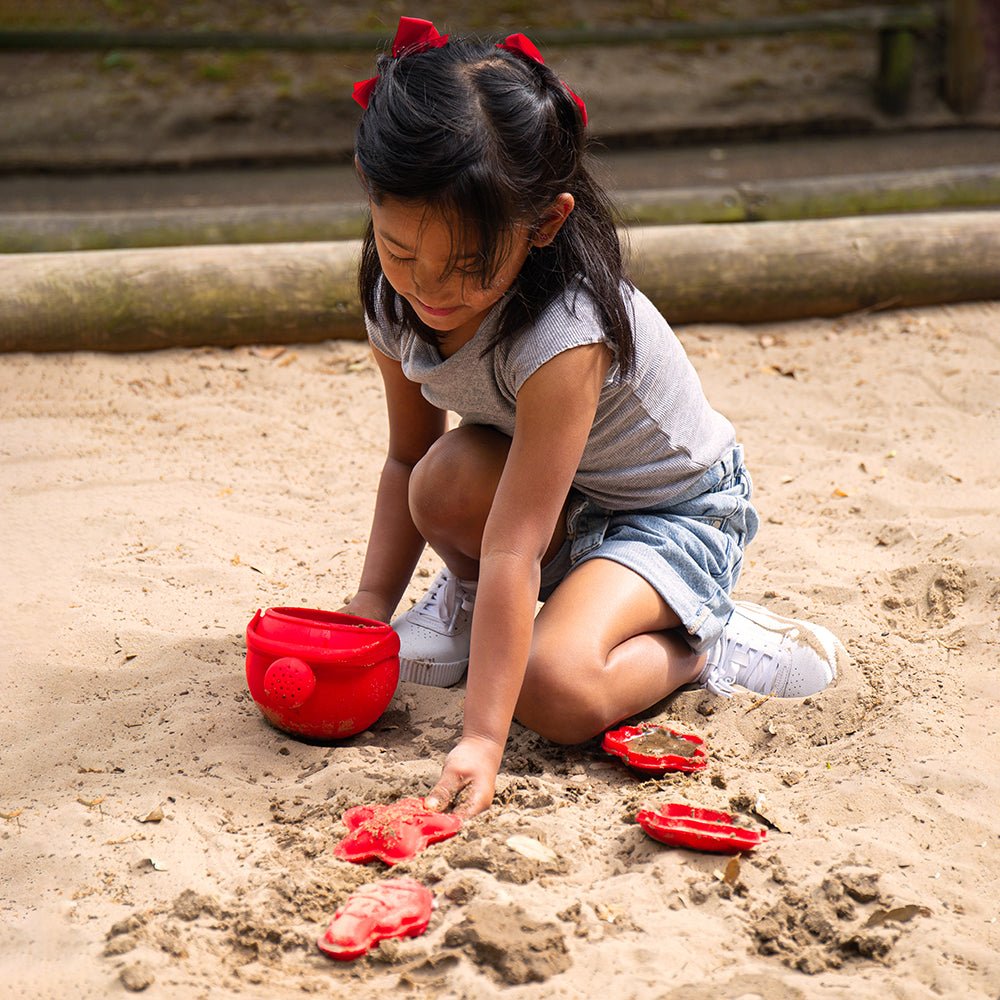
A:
[383,335]
[384,338]
[571,320]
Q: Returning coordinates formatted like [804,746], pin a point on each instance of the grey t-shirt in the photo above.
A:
[654,433]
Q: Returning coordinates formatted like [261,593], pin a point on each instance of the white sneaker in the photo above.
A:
[772,655]
[434,635]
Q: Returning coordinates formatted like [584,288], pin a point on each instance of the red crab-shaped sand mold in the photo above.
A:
[618,742]
[394,832]
[682,825]
[399,907]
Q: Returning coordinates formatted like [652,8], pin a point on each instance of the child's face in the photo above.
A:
[417,248]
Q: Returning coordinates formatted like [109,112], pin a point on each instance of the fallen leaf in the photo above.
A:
[838,492]
[609,914]
[267,353]
[532,849]
[127,839]
[732,872]
[14,815]
[899,915]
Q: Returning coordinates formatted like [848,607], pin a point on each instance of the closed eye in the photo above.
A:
[399,260]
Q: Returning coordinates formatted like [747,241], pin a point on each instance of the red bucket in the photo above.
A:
[321,674]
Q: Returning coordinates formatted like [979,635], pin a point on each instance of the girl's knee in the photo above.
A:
[459,473]
[561,696]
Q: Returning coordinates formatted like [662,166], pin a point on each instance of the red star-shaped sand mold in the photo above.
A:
[394,832]
[656,748]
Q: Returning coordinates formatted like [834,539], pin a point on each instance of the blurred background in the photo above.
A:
[118,105]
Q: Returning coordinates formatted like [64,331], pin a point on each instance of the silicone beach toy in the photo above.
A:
[681,825]
[656,748]
[398,907]
[394,832]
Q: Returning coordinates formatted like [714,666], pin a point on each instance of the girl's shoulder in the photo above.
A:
[571,319]
[385,333]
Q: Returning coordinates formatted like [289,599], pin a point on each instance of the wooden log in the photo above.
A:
[896,54]
[679,205]
[915,16]
[766,271]
[799,198]
[965,55]
[127,300]
[123,300]
[872,194]
[38,232]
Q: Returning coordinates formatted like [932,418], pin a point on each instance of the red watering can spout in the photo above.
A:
[288,683]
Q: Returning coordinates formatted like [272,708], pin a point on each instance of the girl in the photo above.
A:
[588,472]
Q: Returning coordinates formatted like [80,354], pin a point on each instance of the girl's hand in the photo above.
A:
[468,778]
[364,605]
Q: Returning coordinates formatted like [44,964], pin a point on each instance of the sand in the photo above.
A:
[152,502]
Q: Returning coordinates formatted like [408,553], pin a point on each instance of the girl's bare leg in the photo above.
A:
[603,649]
[451,493]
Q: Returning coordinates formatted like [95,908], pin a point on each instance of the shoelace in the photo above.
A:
[737,659]
[444,600]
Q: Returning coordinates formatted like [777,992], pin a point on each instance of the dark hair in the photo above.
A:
[492,137]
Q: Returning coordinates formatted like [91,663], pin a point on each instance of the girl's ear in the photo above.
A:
[552,219]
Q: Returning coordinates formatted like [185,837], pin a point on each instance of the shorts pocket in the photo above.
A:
[586,531]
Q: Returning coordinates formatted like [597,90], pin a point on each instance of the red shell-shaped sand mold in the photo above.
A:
[393,832]
[681,825]
[617,742]
[392,908]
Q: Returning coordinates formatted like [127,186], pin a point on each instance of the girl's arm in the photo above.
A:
[394,545]
[555,411]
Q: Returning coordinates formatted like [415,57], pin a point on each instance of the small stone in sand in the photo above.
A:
[137,977]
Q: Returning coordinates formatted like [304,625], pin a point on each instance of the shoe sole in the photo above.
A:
[432,674]
[818,636]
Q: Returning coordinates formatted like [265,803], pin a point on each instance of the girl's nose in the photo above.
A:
[426,280]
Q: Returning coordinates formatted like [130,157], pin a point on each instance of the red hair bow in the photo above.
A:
[413,35]
[524,46]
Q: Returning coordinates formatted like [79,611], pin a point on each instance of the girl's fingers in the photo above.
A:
[442,794]
[473,802]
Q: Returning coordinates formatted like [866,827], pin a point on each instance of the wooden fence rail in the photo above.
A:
[896,26]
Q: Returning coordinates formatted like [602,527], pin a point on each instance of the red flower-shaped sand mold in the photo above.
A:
[619,742]
[398,907]
[394,832]
[681,825]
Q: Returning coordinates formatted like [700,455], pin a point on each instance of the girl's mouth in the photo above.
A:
[436,312]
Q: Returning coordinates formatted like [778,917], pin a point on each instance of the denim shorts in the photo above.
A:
[690,552]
